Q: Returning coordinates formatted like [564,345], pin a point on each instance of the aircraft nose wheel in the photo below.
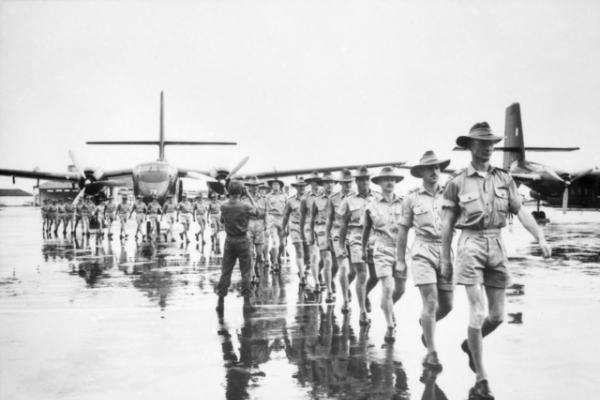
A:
[539,216]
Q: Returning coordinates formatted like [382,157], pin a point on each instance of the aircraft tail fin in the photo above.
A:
[161,142]
[513,136]
[514,148]
[161,133]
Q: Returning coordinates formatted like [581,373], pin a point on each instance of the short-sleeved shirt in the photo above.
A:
[140,207]
[235,215]
[123,208]
[422,210]
[87,208]
[214,207]
[276,203]
[482,202]
[355,205]
[385,216]
[309,199]
[60,209]
[154,208]
[69,208]
[335,202]
[185,207]
[110,208]
[169,207]
[51,209]
[199,208]
[320,209]
[293,204]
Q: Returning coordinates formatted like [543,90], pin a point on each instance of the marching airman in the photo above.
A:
[353,209]
[478,200]
[257,224]
[185,211]
[276,203]
[422,210]
[141,209]
[318,229]
[291,226]
[382,216]
[312,249]
[334,223]
[123,211]
[169,211]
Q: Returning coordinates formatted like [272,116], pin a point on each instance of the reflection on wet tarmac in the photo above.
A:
[294,345]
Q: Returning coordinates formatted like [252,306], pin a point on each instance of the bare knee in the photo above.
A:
[430,306]
[476,317]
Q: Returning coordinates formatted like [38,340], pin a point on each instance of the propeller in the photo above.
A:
[237,168]
[570,178]
[220,177]
[78,166]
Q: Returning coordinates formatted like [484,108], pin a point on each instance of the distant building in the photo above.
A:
[57,190]
[15,197]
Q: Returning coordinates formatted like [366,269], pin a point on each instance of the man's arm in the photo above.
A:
[367,225]
[287,210]
[313,214]
[344,228]
[330,217]
[533,228]
[303,211]
[449,220]
[401,247]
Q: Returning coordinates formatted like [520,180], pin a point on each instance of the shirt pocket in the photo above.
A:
[501,199]
[470,205]
[422,216]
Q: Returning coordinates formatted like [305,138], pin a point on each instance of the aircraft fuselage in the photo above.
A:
[156,178]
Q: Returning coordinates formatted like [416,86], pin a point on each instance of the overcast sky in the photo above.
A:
[296,83]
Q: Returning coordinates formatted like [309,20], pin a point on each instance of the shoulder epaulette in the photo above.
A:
[457,173]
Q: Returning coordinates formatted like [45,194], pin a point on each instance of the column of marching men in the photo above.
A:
[349,240]
[361,236]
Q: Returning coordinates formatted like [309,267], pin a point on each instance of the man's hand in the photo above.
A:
[401,265]
[546,249]
[446,269]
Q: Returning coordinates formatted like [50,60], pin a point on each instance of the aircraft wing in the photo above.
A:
[301,171]
[117,173]
[45,175]
[193,173]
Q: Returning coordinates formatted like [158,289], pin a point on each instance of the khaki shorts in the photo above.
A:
[384,256]
[322,239]
[256,231]
[274,222]
[185,219]
[123,218]
[139,218]
[215,224]
[338,251]
[294,233]
[425,265]
[481,259]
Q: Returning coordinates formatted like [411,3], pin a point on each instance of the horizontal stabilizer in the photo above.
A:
[517,149]
[156,142]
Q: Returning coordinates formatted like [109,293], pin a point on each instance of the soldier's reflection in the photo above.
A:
[260,336]
[431,390]
[334,363]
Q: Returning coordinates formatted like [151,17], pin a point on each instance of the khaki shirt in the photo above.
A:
[293,204]
[185,207]
[482,202]
[355,205]
[335,202]
[320,209]
[110,208]
[276,203]
[199,208]
[386,216]
[154,208]
[214,207]
[123,208]
[309,199]
[169,207]
[140,207]
[423,211]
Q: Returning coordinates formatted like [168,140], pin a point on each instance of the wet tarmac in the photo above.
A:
[81,320]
